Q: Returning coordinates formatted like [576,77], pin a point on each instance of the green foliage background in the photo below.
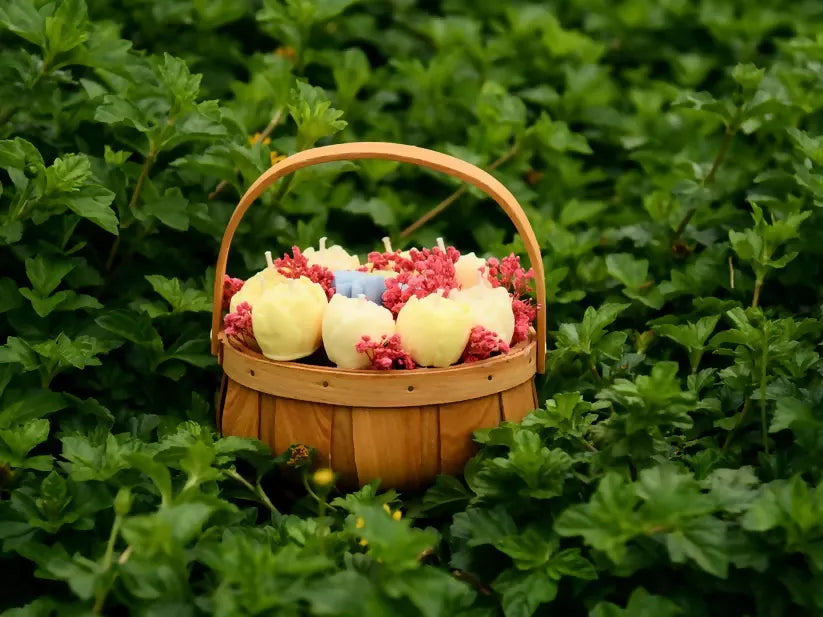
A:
[669,156]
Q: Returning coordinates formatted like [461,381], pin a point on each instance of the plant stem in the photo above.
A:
[758,285]
[439,208]
[100,595]
[764,365]
[746,405]
[135,197]
[257,490]
[731,129]
[275,120]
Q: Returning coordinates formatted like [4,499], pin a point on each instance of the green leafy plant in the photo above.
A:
[670,160]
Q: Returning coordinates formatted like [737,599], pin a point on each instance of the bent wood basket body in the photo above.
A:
[404,427]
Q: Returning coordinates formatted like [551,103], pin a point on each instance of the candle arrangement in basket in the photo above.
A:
[397,311]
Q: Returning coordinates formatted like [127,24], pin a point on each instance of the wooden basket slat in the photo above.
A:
[304,422]
[518,401]
[342,447]
[389,445]
[457,423]
[268,418]
[241,411]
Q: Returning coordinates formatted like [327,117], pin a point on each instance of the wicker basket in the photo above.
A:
[404,427]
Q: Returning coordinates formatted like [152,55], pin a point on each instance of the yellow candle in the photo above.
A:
[467,270]
[288,318]
[254,286]
[434,330]
[346,321]
[490,307]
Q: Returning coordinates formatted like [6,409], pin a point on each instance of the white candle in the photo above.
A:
[345,323]
[287,319]
[434,330]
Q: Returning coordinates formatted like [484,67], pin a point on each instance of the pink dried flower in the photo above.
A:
[524,314]
[230,287]
[385,354]
[483,344]
[510,274]
[297,266]
[238,325]
[433,271]
[390,260]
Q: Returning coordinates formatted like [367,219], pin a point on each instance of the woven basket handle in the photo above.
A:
[404,154]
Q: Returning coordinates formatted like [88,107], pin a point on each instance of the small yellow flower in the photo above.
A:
[285,52]
[364,542]
[256,137]
[386,508]
[323,477]
[275,158]
[397,515]
[360,523]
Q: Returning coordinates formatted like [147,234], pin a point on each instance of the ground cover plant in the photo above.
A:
[669,155]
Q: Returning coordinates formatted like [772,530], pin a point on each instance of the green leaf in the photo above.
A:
[523,592]
[607,522]
[641,604]
[23,19]
[156,471]
[66,28]
[134,327]
[313,114]
[633,273]
[46,274]
[171,209]
[93,202]
[18,441]
[181,300]
[704,541]
[30,407]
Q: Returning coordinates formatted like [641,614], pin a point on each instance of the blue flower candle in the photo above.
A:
[353,283]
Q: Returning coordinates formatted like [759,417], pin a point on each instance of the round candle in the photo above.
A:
[434,330]
[254,286]
[491,308]
[287,319]
[346,321]
[332,257]
[467,270]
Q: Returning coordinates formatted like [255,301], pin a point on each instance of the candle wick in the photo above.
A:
[269,261]
[323,243]
[387,244]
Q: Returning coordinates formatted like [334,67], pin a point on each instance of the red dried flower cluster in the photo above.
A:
[389,261]
[238,325]
[230,287]
[509,273]
[483,344]
[385,354]
[524,314]
[297,266]
[433,270]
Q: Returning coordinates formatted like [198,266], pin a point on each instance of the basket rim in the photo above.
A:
[379,388]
